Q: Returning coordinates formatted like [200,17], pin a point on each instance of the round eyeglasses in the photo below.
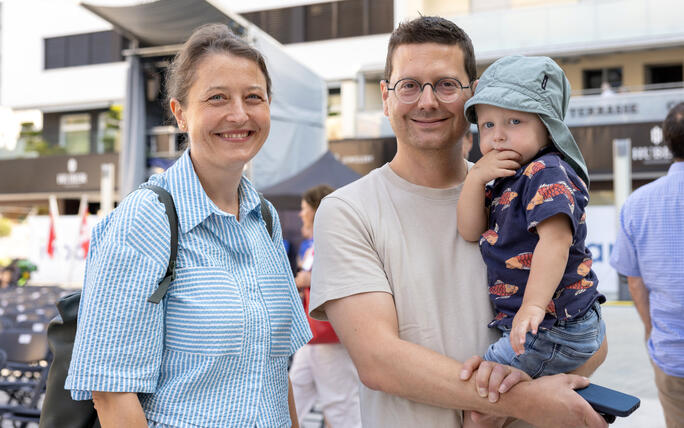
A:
[447,90]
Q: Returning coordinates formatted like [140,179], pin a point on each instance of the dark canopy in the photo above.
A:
[166,22]
[287,194]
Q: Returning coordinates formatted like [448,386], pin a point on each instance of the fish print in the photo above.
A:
[503,290]
[551,309]
[521,261]
[584,267]
[505,199]
[547,192]
[534,168]
[499,316]
[490,235]
[581,286]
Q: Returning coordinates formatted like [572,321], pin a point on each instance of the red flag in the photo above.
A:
[83,235]
[52,234]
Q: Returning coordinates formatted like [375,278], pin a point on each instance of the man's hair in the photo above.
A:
[673,130]
[315,195]
[432,29]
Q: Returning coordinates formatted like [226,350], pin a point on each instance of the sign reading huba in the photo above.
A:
[53,173]
[72,177]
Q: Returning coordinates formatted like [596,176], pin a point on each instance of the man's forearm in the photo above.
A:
[639,292]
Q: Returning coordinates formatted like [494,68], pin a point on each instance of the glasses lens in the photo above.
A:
[448,90]
[408,90]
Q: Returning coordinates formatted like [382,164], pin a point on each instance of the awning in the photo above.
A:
[167,22]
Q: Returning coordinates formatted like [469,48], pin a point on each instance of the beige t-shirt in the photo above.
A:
[383,233]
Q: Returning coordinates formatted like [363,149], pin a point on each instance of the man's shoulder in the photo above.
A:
[361,190]
[649,193]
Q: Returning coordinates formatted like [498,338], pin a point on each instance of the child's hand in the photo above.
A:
[495,164]
[527,319]
[491,379]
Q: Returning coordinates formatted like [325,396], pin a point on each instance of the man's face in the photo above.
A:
[427,124]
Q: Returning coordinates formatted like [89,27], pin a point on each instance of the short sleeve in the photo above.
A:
[120,334]
[624,255]
[549,192]
[346,262]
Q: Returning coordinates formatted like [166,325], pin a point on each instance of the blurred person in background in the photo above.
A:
[215,351]
[649,250]
[322,372]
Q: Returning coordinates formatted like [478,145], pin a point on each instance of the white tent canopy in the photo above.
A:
[298,108]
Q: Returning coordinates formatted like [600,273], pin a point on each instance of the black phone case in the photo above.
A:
[609,401]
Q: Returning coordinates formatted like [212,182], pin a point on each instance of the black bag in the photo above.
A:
[59,410]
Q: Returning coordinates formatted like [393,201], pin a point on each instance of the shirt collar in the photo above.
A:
[676,168]
[192,203]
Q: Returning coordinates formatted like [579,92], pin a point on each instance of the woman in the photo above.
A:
[214,353]
[322,372]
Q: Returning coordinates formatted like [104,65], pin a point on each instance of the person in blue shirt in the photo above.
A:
[649,251]
[530,220]
[215,352]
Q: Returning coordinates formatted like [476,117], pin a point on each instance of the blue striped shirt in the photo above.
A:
[650,245]
[214,353]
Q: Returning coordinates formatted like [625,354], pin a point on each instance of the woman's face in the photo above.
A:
[226,113]
[306,214]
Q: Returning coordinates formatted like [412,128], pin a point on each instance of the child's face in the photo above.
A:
[503,129]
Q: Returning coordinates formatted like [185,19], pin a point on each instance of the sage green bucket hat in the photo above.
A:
[532,85]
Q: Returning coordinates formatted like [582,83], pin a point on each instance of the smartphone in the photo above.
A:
[609,402]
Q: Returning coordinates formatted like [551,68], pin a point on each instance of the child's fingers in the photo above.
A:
[469,366]
[518,336]
[482,378]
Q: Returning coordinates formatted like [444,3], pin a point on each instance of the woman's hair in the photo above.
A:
[205,40]
[315,195]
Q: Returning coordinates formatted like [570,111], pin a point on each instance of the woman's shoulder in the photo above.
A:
[139,220]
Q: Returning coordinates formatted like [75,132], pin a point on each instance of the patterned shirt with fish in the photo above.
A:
[539,190]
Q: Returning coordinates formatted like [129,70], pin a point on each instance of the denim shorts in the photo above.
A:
[559,349]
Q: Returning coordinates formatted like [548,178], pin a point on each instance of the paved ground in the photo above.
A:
[627,367]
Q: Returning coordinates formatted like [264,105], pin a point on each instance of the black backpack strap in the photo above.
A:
[166,199]
[267,216]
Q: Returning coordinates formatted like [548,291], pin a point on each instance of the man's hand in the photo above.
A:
[495,164]
[526,319]
[303,279]
[491,379]
[553,403]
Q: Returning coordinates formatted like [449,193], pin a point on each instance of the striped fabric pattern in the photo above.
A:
[214,353]
[649,244]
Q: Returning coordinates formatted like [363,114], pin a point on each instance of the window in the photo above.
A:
[593,79]
[108,131]
[84,49]
[664,75]
[319,19]
[334,101]
[329,20]
[74,133]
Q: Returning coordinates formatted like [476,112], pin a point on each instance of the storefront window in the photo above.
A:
[74,133]
[109,130]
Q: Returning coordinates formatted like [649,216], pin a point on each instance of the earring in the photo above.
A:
[181,125]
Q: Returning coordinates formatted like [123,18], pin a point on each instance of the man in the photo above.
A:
[649,251]
[406,295]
